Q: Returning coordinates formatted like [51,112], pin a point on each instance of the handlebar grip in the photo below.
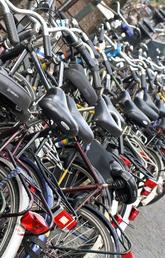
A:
[108,67]
[101,35]
[12,53]
[151,79]
[86,55]
[135,77]
[90,43]
[97,80]
[47,46]
[62,15]
[11,28]
[92,65]
[26,34]
[143,81]
[45,5]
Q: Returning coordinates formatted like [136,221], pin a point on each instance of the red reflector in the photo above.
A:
[64,220]
[133,214]
[118,219]
[34,223]
[128,255]
[150,183]
[32,189]
[145,192]
[162,150]
[126,161]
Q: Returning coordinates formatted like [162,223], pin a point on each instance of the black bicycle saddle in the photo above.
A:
[54,105]
[146,109]
[161,106]
[85,132]
[147,98]
[104,119]
[162,124]
[76,76]
[132,112]
[111,107]
[111,170]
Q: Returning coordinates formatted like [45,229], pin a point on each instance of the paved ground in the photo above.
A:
[148,237]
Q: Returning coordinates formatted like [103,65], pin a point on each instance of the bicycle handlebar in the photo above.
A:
[46,36]
[10,24]
[101,34]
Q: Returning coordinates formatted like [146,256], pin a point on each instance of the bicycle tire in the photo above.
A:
[94,220]
[12,186]
[105,197]
[160,165]
[31,245]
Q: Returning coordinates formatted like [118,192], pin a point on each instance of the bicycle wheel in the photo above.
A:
[31,244]
[160,176]
[118,207]
[9,202]
[78,175]
[90,234]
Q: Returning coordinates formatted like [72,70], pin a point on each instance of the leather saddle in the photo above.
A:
[161,106]
[85,132]
[147,98]
[54,105]
[75,75]
[112,109]
[104,119]
[147,109]
[132,112]
[162,124]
